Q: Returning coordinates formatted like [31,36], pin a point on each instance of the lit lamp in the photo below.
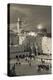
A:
[41,29]
[33,34]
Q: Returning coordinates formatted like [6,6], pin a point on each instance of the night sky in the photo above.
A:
[31,16]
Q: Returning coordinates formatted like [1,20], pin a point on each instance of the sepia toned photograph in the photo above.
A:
[29,40]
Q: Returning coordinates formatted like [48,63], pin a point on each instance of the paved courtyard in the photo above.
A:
[23,67]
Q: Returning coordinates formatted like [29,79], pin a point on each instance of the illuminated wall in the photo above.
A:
[46,45]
